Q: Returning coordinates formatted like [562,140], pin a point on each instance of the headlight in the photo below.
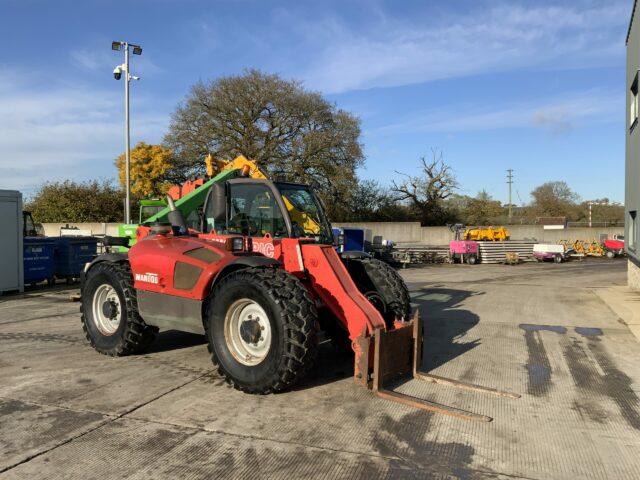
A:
[235,244]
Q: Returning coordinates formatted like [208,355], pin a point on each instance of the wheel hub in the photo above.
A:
[110,309]
[376,300]
[106,309]
[250,331]
[247,332]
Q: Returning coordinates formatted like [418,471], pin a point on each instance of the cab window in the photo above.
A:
[253,211]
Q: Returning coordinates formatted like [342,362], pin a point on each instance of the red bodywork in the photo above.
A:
[178,191]
[153,260]
[614,245]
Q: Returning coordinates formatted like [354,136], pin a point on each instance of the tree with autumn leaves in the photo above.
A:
[149,165]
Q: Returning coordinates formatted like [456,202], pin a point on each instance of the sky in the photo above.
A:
[535,86]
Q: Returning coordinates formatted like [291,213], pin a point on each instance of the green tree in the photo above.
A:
[69,201]
[292,133]
[554,199]
[149,167]
[482,210]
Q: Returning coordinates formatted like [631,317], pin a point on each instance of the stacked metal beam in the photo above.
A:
[495,252]
[417,254]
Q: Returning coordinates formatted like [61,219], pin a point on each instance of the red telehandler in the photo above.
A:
[259,279]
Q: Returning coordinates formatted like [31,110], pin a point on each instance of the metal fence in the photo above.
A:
[596,224]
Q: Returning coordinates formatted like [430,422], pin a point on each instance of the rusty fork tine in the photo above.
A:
[379,376]
[427,377]
[431,406]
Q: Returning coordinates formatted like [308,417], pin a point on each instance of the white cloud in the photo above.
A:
[391,52]
[556,115]
[65,132]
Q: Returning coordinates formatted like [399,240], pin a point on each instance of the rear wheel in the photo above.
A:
[472,260]
[109,311]
[610,254]
[261,325]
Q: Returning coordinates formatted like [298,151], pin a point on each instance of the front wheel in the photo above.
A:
[610,254]
[382,286]
[557,258]
[472,260]
[261,325]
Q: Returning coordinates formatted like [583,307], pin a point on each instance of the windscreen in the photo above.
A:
[307,215]
[148,211]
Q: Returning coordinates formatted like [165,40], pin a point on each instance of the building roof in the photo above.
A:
[633,11]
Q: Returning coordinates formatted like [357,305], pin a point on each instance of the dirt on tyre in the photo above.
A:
[383,286]
[261,327]
[109,311]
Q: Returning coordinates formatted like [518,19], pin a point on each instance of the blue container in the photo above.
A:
[349,239]
[38,259]
[72,253]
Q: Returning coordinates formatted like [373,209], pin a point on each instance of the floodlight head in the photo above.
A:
[137,50]
[116,46]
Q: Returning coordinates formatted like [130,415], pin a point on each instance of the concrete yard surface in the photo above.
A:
[540,330]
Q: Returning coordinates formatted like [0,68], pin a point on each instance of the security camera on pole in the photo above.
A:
[117,74]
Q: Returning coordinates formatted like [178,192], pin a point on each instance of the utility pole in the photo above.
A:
[117,74]
[510,182]
[591,204]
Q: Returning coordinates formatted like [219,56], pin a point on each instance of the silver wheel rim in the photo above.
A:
[247,332]
[106,322]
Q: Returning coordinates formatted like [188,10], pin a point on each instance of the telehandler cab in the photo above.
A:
[259,279]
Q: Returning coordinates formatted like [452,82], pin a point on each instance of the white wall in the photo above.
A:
[53,229]
[412,232]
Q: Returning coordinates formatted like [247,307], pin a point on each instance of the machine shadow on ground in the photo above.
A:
[444,323]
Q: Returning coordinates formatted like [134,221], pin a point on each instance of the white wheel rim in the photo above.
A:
[106,298]
[247,332]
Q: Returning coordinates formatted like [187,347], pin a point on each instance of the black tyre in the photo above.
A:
[109,311]
[472,259]
[557,258]
[261,324]
[610,254]
[383,287]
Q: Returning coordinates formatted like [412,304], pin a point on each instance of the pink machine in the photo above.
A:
[462,250]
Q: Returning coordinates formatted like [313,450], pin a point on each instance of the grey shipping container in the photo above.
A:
[11,273]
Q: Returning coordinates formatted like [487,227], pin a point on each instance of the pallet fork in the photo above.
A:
[389,354]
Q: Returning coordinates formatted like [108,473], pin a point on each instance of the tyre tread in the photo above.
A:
[300,326]
[137,335]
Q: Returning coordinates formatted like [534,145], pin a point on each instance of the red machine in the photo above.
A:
[615,247]
[259,279]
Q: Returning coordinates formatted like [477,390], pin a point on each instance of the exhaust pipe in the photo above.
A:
[175,216]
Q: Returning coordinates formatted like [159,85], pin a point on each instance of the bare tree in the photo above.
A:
[427,192]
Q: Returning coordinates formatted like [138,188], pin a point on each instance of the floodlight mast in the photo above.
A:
[137,50]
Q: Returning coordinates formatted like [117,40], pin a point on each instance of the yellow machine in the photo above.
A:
[489,234]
